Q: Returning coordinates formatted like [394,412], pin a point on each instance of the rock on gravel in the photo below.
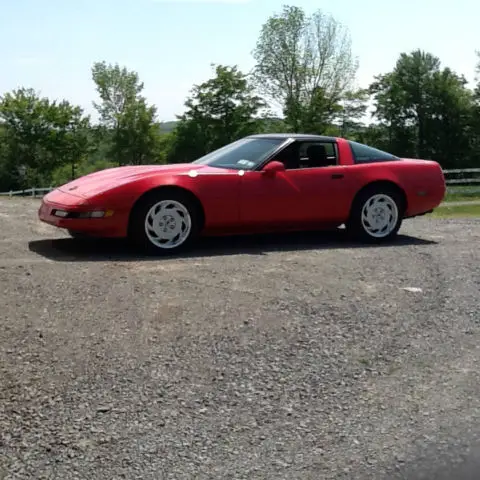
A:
[296,357]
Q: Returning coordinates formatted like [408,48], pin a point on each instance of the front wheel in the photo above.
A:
[376,215]
[164,222]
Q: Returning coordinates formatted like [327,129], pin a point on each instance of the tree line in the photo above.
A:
[304,68]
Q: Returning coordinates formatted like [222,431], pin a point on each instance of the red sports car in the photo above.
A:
[261,183]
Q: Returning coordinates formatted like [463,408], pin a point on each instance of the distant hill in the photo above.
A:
[166,127]
[271,124]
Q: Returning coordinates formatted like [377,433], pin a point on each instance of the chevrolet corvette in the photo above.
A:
[258,184]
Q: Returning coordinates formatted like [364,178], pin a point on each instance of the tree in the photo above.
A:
[24,115]
[117,88]
[219,111]
[8,173]
[40,135]
[477,67]
[401,100]
[70,134]
[353,109]
[475,120]
[425,108]
[127,120]
[136,139]
[305,64]
[448,127]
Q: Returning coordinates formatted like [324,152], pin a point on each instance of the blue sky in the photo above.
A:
[50,45]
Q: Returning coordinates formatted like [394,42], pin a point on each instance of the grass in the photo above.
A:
[462,197]
[456,211]
[462,194]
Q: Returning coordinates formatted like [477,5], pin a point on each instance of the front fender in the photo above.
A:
[218,193]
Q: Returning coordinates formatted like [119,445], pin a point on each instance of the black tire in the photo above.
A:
[137,231]
[392,200]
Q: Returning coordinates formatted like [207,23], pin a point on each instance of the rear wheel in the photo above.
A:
[376,215]
[164,222]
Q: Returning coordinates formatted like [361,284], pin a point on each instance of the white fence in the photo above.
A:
[32,192]
[461,184]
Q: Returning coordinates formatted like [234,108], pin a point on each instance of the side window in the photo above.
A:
[364,154]
[308,155]
[317,154]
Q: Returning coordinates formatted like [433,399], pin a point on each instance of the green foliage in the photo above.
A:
[219,111]
[455,211]
[63,174]
[136,139]
[117,88]
[475,117]
[8,172]
[305,64]
[426,109]
[39,135]
[135,134]
[353,109]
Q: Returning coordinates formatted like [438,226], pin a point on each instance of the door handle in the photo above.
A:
[337,176]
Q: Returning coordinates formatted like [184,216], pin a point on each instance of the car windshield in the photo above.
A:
[244,154]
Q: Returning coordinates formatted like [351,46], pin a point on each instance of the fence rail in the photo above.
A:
[33,192]
[467,180]
[462,170]
[454,185]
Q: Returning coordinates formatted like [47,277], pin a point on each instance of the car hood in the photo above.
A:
[107,179]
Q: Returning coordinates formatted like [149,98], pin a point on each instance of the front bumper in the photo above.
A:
[110,226]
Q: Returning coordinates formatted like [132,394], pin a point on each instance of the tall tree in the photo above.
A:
[352,113]
[8,173]
[305,64]
[117,88]
[219,111]
[137,138]
[401,99]
[127,120]
[448,127]
[425,109]
[475,121]
[70,132]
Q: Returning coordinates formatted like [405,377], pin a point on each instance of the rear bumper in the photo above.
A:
[424,200]
[114,226]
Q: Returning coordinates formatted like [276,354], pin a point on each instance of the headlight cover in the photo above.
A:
[92,214]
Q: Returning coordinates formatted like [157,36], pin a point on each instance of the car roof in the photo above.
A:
[296,136]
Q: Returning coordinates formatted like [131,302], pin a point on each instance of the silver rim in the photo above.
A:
[168,224]
[379,215]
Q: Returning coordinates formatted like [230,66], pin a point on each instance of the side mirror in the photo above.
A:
[272,168]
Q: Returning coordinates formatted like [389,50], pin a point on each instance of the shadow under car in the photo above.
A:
[91,250]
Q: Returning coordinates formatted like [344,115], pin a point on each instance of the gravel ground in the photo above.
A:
[295,357]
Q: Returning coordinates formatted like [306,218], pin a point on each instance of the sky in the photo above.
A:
[51,45]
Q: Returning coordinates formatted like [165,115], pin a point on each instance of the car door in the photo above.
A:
[304,193]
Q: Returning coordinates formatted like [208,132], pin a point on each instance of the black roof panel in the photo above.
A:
[296,136]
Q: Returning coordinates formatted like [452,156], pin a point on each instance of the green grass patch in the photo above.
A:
[462,195]
[456,211]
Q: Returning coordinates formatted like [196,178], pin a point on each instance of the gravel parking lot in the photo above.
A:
[288,357]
